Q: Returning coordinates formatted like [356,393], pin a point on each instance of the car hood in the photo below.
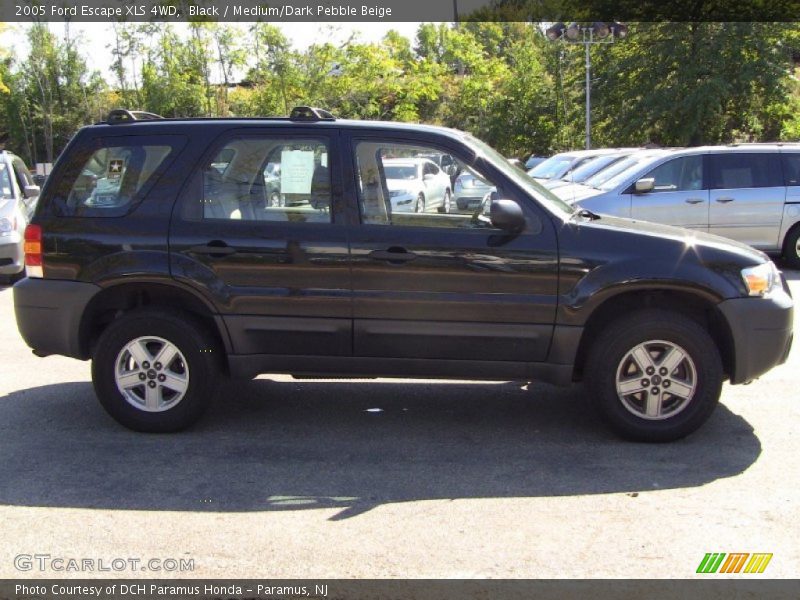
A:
[688,237]
[7,205]
[572,192]
[402,184]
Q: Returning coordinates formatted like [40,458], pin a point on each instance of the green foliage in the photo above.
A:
[672,84]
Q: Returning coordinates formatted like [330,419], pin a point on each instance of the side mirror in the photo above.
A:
[507,215]
[645,185]
[31,191]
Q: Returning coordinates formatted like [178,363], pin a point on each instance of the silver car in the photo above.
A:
[562,164]
[18,196]
[590,168]
[470,190]
[748,192]
[417,185]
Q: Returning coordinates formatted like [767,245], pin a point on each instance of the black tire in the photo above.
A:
[791,251]
[447,203]
[192,340]
[650,326]
[419,207]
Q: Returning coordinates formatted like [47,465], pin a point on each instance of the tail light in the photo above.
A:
[33,251]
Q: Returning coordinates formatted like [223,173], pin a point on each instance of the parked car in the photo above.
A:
[600,181]
[417,185]
[18,195]
[591,167]
[749,193]
[187,279]
[533,161]
[560,165]
[470,191]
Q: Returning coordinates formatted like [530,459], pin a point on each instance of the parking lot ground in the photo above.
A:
[391,478]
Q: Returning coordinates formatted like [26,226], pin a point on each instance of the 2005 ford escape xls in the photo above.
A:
[174,251]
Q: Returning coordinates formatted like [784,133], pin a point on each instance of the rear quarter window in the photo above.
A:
[111,176]
[791,168]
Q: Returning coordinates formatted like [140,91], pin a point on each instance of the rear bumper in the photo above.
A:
[762,330]
[49,314]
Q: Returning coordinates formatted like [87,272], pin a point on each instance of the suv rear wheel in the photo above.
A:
[155,370]
[656,375]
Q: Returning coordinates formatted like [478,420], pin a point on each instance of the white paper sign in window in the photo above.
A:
[297,170]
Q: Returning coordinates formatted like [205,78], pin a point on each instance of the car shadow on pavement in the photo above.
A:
[289,445]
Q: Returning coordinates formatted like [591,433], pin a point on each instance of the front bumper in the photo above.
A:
[762,330]
[12,255]
[403,203]
[49,314]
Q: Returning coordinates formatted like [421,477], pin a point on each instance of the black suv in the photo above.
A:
[174,251]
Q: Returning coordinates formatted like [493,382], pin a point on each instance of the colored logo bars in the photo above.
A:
[736,562]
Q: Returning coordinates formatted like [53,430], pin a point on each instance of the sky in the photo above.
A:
[98,37]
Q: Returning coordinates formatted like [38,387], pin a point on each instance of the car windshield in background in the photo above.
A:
[610,180]
[591,168]
[400,172]
[553,167]
[554,203]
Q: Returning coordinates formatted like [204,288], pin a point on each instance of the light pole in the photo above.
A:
[588,35]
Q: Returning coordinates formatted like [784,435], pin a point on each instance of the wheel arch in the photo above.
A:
[116,300]
[698,307]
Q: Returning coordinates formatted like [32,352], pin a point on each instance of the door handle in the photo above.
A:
[725,199]
[394,254]
[694,200]
[215,248]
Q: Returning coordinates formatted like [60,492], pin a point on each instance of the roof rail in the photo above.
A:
[310,113]
[121,115]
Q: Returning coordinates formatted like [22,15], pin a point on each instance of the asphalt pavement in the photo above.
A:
[390,478]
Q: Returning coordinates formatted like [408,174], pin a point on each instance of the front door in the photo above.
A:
[258,232]
[679,196]
[446,286]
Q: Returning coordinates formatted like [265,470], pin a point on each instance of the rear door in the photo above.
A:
[747,197]
[259,232]
[680,196]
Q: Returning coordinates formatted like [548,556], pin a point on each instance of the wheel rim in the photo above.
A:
[420,204]
[447,202]
[151,374]
[656,380]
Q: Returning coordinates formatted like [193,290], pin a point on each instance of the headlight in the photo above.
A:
[396,193]
[761,279]
[6,226]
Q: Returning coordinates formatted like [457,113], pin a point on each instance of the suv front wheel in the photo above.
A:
[656,375]
[155,370]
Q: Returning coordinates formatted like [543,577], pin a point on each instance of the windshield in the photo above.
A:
[553,167]
[545,196]
[618,177]
[400,172]
[591,168]
[6,191]
[602,176]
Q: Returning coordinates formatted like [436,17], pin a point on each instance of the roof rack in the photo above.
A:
[121,115]
[310,113]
